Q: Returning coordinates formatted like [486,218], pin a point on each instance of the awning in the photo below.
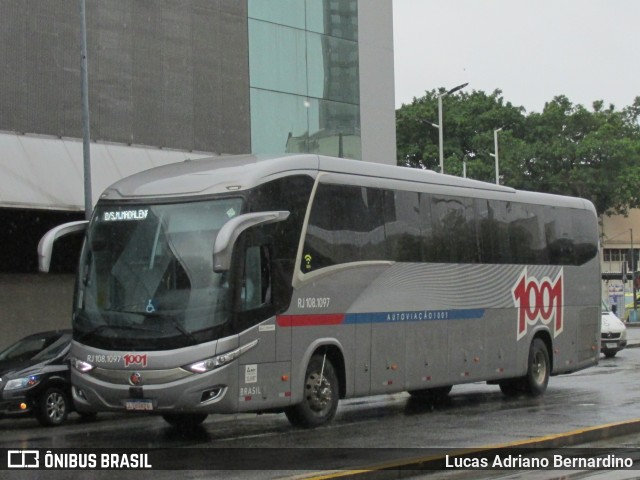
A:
[43,172]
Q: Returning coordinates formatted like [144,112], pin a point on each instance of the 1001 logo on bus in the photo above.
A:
[539,301]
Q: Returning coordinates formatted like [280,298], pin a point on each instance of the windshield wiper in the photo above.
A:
[116,327]
[163,314]
[171,317]
[125,309]
[183,330]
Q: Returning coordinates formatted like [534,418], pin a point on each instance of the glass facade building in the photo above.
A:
[170,80]
[304,77]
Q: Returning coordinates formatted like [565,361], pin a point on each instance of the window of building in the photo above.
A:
[282,12]
[287,122]
[304,77]
[618,254]
[277,58]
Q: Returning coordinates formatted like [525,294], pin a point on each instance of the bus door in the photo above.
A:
[260,382]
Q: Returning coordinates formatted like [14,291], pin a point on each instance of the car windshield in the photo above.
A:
[146,276]
[30,347]
[55,349]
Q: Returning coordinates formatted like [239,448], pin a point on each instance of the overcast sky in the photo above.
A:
[532,50]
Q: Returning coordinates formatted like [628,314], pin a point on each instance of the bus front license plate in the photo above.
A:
[611,345]
[139,405]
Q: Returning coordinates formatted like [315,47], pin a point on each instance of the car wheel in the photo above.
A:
[53,407]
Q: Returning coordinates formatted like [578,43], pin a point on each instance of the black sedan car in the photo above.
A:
[35,379]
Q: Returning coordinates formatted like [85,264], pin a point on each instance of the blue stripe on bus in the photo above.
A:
[414,316]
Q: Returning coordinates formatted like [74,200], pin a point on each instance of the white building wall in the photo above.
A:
[45,172]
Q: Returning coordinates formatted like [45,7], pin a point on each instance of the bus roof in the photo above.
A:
[228,173]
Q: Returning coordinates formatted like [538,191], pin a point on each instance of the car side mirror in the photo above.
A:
[230,231]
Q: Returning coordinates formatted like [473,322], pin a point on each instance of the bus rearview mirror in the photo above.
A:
[231,230]
[45,247]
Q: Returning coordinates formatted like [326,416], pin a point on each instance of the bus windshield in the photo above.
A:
[146,278]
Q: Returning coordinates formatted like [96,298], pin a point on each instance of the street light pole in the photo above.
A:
[495,143]
[633,278]
[86,136]
[440,133]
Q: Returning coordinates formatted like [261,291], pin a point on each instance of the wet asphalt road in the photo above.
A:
[475,415]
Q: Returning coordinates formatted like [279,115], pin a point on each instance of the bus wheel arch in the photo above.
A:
[334,354]
[539,368]
[323,386]
[545,336]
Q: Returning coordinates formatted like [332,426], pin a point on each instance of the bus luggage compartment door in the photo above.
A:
[387,357]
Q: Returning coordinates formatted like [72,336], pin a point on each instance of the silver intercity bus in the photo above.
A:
[254,284]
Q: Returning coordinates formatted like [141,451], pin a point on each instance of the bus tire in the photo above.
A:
[184,421]
[434,395]
[320,397]
[539,369]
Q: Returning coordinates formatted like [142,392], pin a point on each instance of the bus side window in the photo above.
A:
[256,283]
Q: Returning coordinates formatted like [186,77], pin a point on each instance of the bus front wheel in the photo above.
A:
[320,397]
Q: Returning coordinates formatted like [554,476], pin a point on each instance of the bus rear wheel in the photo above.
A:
[537,378]
[534,383]
[320,397]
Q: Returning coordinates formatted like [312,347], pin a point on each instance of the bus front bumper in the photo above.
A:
[155,391]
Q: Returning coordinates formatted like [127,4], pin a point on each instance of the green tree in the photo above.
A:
[468,122]
[566,149]
[570,150]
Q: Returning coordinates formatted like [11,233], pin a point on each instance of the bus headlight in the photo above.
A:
[207,365]
[82,366]
[212,363]
[22,383]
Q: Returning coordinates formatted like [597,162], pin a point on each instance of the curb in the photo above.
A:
[431,463]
